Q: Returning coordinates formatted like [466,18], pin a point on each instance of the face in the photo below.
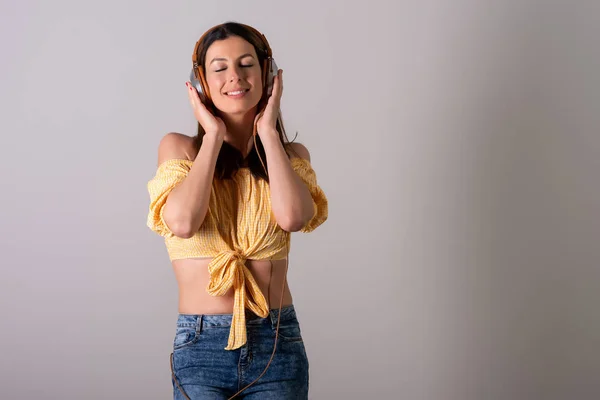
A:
[233,75]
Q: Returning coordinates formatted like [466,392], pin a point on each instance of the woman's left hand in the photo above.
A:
[266,121]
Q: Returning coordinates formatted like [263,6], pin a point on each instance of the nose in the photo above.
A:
[236,74]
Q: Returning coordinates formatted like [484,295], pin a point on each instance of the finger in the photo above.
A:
[195,98]
[275,99]
[280,82]
[197,105]
[278,86]
[202,111]
[193,94]
[190,92]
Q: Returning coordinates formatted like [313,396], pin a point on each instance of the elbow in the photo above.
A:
[182,224]
[183,229]
[292,226]
[295,223]
[184,234]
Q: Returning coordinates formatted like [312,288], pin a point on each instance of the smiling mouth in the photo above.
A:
[237,92]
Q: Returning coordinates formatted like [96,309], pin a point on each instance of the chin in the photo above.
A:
[237,107]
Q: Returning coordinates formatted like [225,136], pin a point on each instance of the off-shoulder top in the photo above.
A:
[238,225]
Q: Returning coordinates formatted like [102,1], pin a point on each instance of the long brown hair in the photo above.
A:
[230,159]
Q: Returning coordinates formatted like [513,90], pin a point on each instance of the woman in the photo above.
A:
[225,202]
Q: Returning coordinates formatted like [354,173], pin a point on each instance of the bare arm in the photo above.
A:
[291,200]
[187,203]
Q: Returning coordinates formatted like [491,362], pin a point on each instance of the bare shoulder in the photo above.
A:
[176,146]
[299,150]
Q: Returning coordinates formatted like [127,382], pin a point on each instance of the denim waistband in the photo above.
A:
[288,313]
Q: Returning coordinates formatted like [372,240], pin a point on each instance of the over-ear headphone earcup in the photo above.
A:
[271,76]
[196,83]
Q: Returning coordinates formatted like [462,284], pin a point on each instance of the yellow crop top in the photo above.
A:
[238,225]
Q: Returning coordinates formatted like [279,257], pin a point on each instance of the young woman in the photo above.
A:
[226,202]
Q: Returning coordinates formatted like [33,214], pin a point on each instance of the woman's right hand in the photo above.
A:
[212,124]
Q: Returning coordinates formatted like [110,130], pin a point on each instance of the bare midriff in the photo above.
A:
[193,277]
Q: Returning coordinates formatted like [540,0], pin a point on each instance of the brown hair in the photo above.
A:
[230,159]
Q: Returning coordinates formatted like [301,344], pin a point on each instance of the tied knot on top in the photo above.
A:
[228,270]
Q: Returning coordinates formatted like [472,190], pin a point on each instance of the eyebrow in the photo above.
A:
[224,59]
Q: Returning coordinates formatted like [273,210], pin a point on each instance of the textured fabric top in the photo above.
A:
[238,225]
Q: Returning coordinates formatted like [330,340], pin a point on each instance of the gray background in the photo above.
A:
[458,143]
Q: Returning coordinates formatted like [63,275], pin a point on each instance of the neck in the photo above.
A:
[239,130]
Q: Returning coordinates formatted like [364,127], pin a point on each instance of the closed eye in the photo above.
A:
[243,66]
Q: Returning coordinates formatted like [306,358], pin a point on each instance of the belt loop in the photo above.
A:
[273,318]
[199,324]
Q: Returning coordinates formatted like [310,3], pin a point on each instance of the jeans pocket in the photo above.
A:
[289,331]
[184,336]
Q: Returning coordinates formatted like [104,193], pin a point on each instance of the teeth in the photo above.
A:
[236,93]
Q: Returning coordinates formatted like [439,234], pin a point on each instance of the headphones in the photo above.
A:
[269,67]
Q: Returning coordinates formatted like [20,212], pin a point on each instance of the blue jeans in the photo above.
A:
[203,369]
